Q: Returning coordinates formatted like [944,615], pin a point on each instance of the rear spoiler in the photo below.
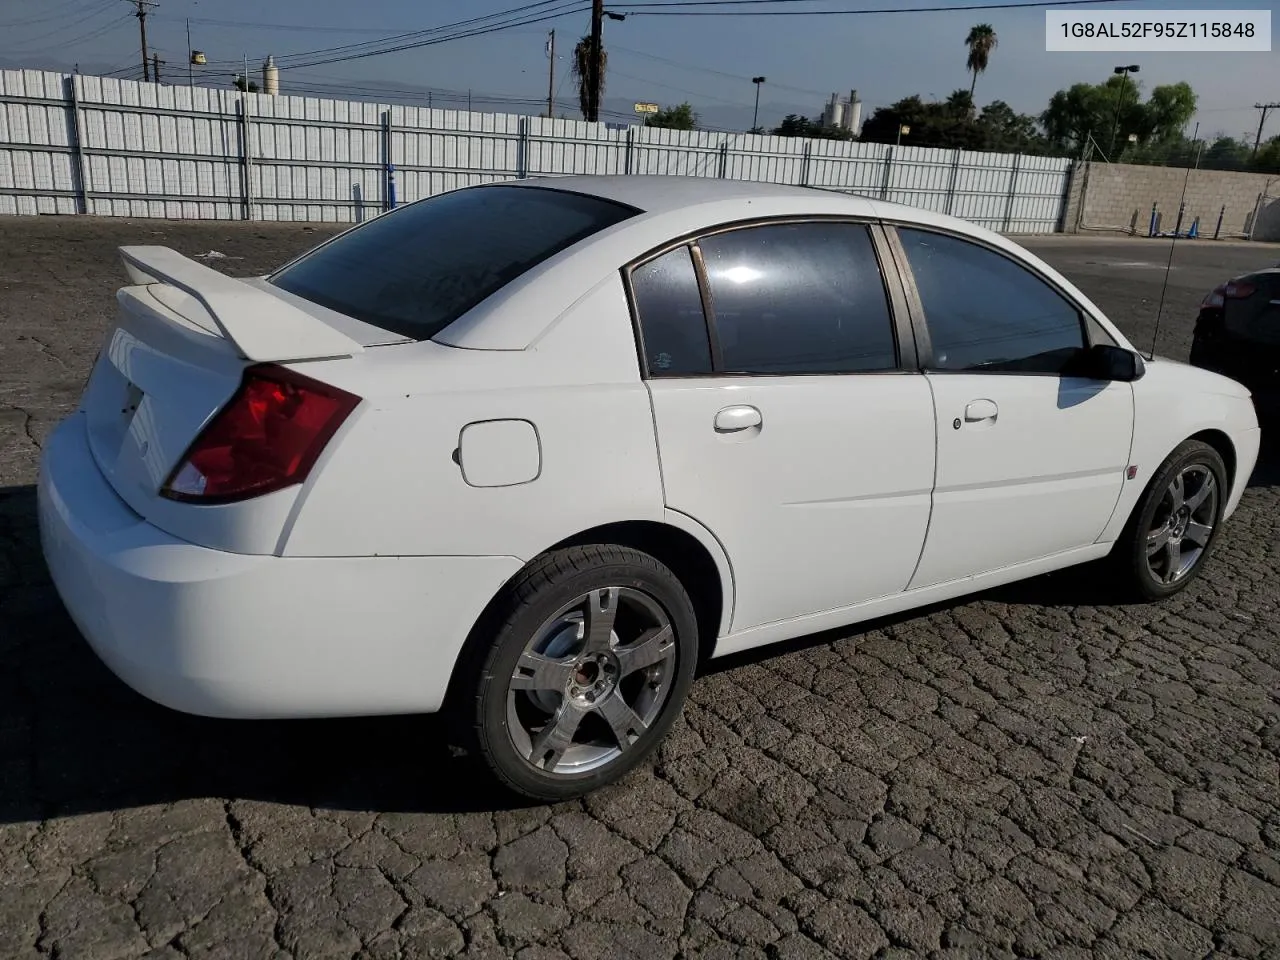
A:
[264,328]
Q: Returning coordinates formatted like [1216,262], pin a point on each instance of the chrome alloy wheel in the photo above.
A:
[592,680]
[1183,524]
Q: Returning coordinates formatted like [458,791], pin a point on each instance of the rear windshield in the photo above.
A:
[417,269]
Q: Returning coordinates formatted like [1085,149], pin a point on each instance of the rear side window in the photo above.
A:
[987,313]
[800,298]
[672,324]
[417,269]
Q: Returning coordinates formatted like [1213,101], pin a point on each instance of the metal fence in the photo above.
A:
[79,144]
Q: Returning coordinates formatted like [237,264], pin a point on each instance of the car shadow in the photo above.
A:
[74,739]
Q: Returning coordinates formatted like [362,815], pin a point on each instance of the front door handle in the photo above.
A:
[736,418]
[979,410]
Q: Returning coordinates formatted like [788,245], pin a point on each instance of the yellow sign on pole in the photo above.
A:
[646,108]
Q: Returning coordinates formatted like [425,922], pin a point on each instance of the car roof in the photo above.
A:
[662,193]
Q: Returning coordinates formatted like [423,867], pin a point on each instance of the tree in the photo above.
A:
[981,41]
[1087,109]
[1268,158]
[582,73]
[1226,153]
[239,84]
[1168,110]
[1003,130]
[951,124]
[960,103]
[794,125]
[673,118]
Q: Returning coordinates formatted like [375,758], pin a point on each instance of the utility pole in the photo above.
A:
[155,67]
[191,77]
[597,28]
[1265,108]
[141,14]
[551,77]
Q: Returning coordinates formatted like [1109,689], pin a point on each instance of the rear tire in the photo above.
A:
[1175,525]
[592,653]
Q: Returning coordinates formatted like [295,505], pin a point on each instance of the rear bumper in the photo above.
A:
[231,635]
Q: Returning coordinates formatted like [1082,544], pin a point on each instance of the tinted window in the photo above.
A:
[799,298]
[986,312]
[672,323]
[417,269]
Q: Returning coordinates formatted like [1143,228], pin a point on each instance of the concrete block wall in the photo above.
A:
[1118,197]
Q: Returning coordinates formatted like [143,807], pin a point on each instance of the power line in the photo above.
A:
[667,86]
[648,9]
[445,39]
[615,48]
[59,31]
[64,43]
[59,14]
[296,27]
[527,9]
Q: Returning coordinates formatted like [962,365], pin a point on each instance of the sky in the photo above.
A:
[653,56]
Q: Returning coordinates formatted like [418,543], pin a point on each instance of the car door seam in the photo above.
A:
[933,492]
[1133,433]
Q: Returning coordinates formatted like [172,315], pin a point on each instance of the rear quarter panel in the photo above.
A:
[392,485]
[1172,403]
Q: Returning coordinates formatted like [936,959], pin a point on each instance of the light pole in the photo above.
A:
[1115,123]
[755,116]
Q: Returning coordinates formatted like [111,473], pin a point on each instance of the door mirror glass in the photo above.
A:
[1104,361]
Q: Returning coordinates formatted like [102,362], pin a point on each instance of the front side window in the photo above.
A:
[987,313]
[799,298]
[417,269]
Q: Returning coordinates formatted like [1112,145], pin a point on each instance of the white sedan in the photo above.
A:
[527,452]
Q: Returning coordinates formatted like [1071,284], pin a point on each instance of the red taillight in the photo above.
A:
[267,437]
[1239,290]
[1215,297]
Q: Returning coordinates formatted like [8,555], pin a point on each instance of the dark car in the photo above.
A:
[1238,330]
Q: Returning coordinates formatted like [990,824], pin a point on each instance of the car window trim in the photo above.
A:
[895,299]
[708,306]
[920,322]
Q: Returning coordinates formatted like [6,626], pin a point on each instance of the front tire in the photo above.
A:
[593,652]
[1175,525]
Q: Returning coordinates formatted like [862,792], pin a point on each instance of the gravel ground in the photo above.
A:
[1037,772]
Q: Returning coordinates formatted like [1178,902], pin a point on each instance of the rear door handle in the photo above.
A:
[979,410]
[741,417]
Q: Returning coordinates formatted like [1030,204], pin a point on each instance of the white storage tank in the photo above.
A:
[270,77]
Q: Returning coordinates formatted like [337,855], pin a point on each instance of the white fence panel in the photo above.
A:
[78,144]
[36,164]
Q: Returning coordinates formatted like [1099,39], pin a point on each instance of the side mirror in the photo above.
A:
[1103,361]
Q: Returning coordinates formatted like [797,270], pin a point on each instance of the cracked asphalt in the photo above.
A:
[1037,772]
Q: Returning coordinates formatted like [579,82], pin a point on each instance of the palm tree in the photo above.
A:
[582,71]
[981,41]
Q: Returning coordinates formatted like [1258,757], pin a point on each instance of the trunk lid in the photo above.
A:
[183,337]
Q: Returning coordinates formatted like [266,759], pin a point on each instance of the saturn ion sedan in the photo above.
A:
[526,453]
